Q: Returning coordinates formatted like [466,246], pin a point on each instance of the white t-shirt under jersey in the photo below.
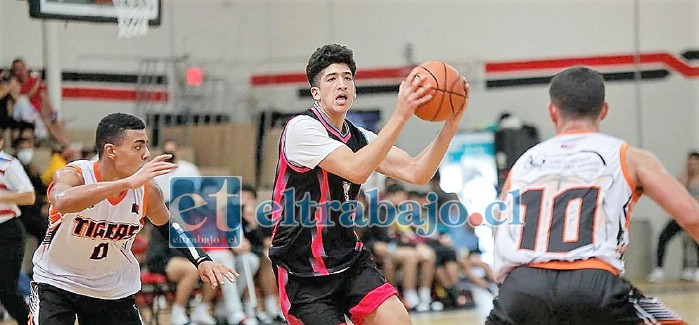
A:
[307,141]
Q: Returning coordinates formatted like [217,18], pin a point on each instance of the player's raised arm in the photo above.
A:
[420,169]
[358,166]
[654,180]
[68,193]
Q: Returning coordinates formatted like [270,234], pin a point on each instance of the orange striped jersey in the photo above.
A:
[575,200]
[89,252]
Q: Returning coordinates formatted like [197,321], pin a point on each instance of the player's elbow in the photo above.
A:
[358,177]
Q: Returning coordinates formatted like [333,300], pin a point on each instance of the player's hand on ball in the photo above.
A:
[413,92]
[456,118]
[216,273]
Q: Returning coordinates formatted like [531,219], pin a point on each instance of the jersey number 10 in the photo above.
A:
[558,235]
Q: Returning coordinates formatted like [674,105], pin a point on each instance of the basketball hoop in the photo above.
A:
[133,16]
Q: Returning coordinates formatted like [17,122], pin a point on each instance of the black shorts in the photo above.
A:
[541,296]
[325,300]
[53,306]
[443,254]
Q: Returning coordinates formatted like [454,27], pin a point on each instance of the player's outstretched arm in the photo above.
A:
[68,193]
[358,166]
[654,180]
[209,271]
[420,169]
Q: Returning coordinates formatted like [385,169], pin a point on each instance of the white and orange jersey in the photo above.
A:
[575,201]
[89,252]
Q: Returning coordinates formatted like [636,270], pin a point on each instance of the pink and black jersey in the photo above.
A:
[326,247]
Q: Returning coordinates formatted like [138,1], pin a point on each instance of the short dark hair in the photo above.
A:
[249,188]
[169,140]
[578,92]
[394,188]
[325,56]
[112,127]
[17,142]
[693,154]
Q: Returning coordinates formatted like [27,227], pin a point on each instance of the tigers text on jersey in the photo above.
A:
[89,252]
[575,198]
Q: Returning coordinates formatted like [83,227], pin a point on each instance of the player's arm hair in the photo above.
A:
[653,179]
[68,192]
[419,169]
[159,215]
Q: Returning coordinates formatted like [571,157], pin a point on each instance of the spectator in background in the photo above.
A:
[9,89]
[261,241]
[231,310]
[59,159]
[33,87]
[162,259]
[184,168]
[35,224]
[690,180]
[404,244]
[18,190]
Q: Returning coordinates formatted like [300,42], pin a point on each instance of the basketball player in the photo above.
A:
[85,266]
[577,189]
[323,272]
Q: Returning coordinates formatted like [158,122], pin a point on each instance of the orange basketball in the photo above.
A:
[449,91]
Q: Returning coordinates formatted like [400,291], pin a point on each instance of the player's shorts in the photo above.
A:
[541,296]
[53,306]
[325,300]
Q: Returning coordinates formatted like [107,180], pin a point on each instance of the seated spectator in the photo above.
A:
[448,269]
[406,249]
[240,257]
[463,240]
[33,87]
[261,240]
[170,262]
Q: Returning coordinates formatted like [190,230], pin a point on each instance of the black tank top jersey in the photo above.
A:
[324,248]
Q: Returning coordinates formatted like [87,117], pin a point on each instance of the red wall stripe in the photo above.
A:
[294,78]
[112,94]
[669,60]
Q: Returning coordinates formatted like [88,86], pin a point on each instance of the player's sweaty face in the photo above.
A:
[336,89]
[132,152]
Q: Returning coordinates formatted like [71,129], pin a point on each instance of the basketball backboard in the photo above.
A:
[101,11]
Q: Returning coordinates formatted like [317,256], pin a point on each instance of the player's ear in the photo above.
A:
[553,113]
[604,111]
[109,150]
[315,93]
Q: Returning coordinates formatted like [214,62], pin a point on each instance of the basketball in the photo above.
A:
[448,91]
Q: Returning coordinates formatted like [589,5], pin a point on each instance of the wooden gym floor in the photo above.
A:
[682,297]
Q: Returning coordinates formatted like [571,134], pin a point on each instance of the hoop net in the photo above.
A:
[132,16]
